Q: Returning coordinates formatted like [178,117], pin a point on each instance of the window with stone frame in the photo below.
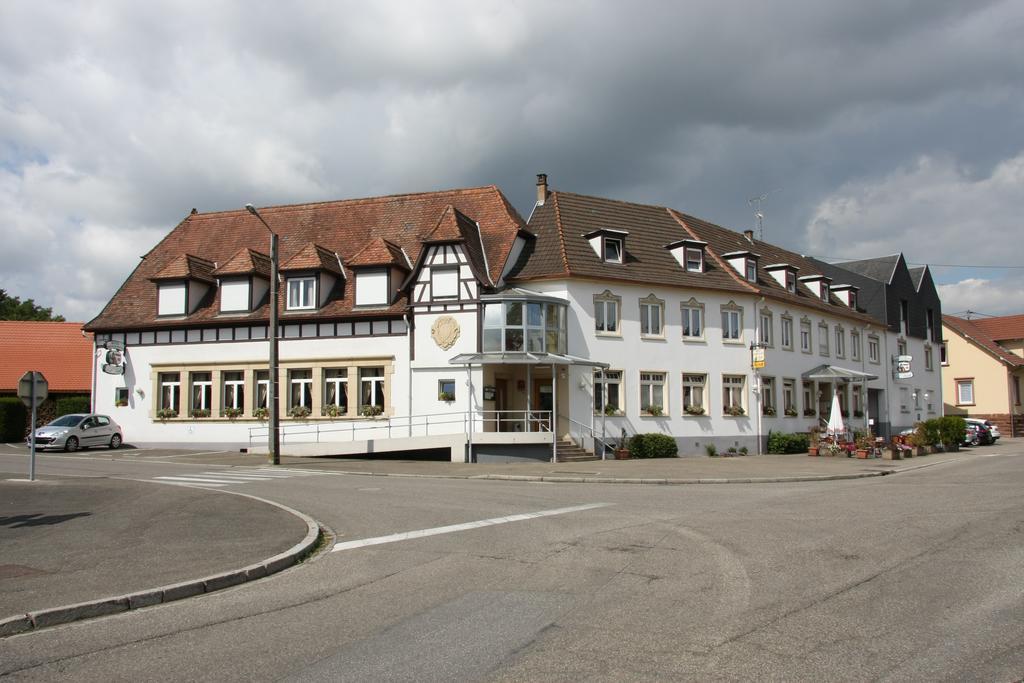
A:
[733,394]
[768,396]
[693,319]
[786,332]
[652,393]
[766,331]
[840,341]
[652,317]
[732,323]
[873,349]
[805,336]
[789,397]
[608,392]
[823,345]
[695,393]
[607,314]
[854,345]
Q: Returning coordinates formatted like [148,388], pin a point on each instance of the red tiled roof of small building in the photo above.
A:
[976,333]
[1003,327]
[246,262]
[344,227]
[58,350]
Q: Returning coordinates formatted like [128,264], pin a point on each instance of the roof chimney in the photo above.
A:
[749,234]
[542,187]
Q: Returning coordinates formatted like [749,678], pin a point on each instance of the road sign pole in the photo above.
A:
[32,437]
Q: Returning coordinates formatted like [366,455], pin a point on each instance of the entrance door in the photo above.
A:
[824,400]
[543,403]
[500,404]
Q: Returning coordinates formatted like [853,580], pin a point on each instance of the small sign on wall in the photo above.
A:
[490,393]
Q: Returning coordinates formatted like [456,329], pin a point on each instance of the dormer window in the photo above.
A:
[694,260]
[689,253]
[234,295]
[372,287]
[612,250]
[745,263]
[301,293]
[608,244]
[171,298]
[847,294]
[784,274]
[819,284]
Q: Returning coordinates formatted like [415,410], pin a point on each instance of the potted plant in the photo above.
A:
[730,452]
[261,413]
[199,413]
[445,396]
[120,403]
[299,412]
[735,411]
[768,411]
[231,413]
[693,410]
[865,445]
[167,414]
[809,412]
[814,439]
[790,412]
[621,450]
[653,411]
[371,411]
[610,410]
[332,410]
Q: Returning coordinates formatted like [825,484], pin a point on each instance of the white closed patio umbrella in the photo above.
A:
[835,418]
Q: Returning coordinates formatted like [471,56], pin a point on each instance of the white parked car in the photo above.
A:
[992,428]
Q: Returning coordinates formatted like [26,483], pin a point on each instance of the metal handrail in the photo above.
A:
[593,434]
[406,422]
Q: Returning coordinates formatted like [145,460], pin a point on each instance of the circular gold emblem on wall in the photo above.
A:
[445,331]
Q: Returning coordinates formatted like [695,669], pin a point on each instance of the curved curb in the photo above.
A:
[154,596]
[562,479]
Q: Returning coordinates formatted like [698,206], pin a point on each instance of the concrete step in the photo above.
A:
[566,451]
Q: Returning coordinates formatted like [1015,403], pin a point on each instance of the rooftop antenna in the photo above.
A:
[756,203]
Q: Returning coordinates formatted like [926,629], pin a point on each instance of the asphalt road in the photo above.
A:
[906,577]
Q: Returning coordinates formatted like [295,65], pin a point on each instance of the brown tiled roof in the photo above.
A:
[312,257]
[1003,327]
[447,228]
[379,252]
[561,250]
[246,262]
[58,350]
[344,227]
[187,267]
[970,330]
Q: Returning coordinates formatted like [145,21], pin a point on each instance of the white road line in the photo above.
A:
[197,480]
[240,477]
[187,484]
[422,533]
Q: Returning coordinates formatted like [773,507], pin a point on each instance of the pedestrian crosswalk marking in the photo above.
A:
[221,478]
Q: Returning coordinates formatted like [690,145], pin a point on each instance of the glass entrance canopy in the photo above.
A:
[517,320]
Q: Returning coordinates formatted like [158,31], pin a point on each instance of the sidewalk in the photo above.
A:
[71,540]
[693,470]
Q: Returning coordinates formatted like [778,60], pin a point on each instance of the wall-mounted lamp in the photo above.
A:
[583,384]
[140,392]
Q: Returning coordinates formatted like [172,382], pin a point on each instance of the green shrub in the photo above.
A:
[653,446]
[952,429]
[711,450]
[12,419]
[780,442]
[929,432]
[73,404]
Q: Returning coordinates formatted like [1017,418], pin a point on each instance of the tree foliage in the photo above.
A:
[13,308]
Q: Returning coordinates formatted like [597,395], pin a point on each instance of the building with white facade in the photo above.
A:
[443,323]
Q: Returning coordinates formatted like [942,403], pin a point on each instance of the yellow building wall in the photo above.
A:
[991,380]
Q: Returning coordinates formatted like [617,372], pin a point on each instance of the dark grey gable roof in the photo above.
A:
[880,269]
[917,274]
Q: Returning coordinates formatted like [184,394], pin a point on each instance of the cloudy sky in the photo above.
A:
[873,126]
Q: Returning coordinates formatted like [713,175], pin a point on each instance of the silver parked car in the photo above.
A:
[992,428]
[71,432]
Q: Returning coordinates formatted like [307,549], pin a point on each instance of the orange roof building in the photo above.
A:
[59,350]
